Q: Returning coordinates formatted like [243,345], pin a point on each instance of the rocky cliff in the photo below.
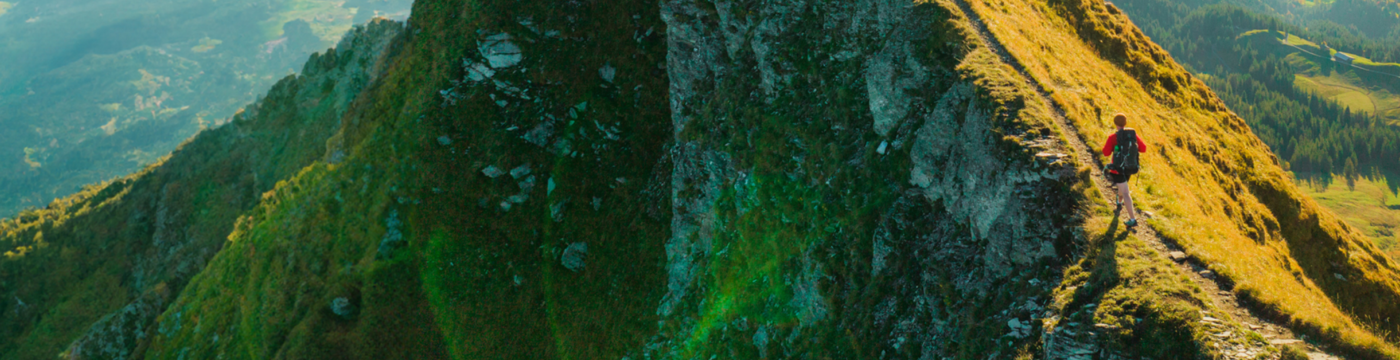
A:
[728,179]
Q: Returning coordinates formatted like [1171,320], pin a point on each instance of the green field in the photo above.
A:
[1291,39]
[1344,85]
[1370,207]
[1342,88]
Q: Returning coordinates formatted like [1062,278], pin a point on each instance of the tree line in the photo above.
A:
[1308,133]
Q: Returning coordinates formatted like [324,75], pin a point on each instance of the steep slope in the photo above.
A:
[1219,192]
[87,275]
[907,212]
[1319,116]
[697,179]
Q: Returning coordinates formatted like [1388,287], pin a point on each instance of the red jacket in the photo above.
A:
[1113,140]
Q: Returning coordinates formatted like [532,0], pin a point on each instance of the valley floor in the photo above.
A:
[1370,204]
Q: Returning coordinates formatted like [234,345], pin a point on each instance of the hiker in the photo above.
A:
[1123,147]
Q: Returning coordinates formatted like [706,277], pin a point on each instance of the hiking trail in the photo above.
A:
[1215,287]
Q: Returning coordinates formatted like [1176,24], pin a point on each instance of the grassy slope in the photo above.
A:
[478,282]
[473,280]
[146,234]
[1216,188]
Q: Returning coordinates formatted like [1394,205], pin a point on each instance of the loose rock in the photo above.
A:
[608,72]
[500,52]
[342,307]
[492,172]
[540,134]
[574,256]
[520,171]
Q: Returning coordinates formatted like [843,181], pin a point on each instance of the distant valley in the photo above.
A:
[95,89]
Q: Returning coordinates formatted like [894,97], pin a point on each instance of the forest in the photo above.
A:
[1257,77]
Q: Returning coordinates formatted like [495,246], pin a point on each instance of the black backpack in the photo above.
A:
[1125,154]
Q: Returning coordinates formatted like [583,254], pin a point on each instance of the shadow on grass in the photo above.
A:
[1103,265]
[1131,302]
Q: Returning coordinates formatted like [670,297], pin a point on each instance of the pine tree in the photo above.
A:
[1350,173]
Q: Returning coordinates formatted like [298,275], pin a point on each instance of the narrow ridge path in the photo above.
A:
[1216,288]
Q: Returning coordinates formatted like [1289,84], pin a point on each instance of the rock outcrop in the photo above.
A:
[687,179]
[793,228]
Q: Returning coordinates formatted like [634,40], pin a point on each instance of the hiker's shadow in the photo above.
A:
[1101,263]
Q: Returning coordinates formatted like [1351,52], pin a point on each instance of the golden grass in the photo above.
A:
[1214,186]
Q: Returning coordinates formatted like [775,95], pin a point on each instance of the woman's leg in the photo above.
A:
[1127,199]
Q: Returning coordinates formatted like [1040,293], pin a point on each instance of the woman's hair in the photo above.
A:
[1121,120]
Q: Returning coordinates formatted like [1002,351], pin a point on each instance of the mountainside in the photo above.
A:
[1320,116]
[91,270]
[95,89]
[709,179]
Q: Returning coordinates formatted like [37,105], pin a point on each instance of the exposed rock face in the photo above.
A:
[779,183]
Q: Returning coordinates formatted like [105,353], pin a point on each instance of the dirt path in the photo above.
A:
[1217,288]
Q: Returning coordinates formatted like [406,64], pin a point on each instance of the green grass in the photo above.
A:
[1370,207]
[86,255]
[1137,290]
[457,273]
[1343,85]
[1343,90]
[1293,39]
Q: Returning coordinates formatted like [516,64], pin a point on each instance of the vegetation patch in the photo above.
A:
[1368,204]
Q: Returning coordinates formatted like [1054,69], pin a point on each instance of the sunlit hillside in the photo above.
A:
[1322,114]
[1220,191]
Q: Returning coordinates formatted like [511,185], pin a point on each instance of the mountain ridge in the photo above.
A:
[538,180]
